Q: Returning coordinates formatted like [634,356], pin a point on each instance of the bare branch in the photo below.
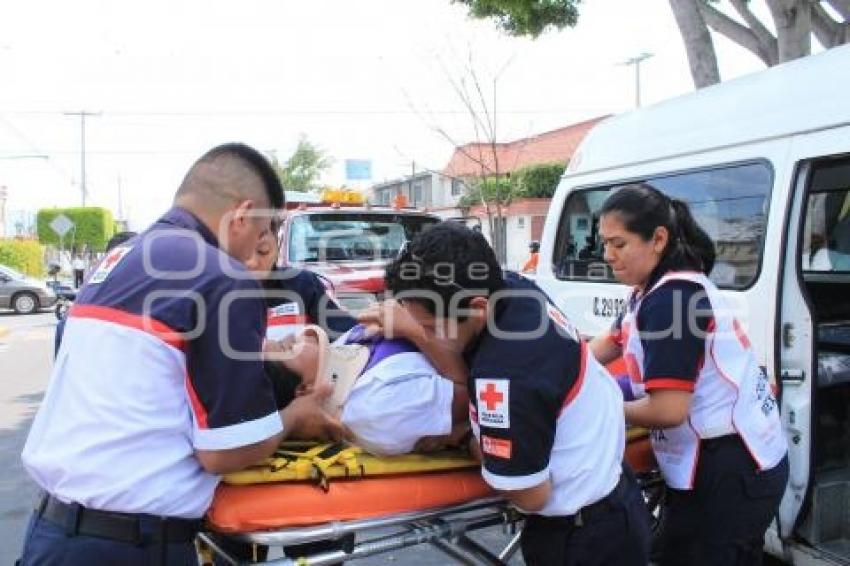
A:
[490,130]
[828,31]
[699,45]
[842,7]
[765,37]
[742,35]
[491,134]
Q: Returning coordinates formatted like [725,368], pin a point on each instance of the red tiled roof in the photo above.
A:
[518,207]
[477,159]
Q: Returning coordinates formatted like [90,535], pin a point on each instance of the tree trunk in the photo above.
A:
[793,19]
[698,44]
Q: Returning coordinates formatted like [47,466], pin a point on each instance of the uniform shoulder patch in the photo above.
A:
[286,309]
[498,447]
[560,320]
[112,259]
[493,400]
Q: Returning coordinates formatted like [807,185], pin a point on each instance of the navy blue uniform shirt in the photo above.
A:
[673,321]
[542,363]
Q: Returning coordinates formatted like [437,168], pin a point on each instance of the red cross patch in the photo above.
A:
[493,402]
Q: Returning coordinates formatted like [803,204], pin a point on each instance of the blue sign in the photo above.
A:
[358,169]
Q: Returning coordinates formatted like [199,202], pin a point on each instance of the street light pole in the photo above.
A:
[82,114]
[636,61]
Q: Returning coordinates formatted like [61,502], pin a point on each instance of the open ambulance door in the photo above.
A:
[793,356]
[813,349]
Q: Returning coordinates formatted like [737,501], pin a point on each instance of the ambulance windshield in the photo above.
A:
[351,236]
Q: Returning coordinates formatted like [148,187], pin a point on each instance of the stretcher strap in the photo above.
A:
[319,462]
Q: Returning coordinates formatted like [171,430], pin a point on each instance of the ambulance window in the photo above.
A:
[730,203]
[826,240]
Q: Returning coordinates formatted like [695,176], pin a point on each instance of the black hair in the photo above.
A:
[534,246]
[443,260]
[643,208]
[255,161]
[119,239]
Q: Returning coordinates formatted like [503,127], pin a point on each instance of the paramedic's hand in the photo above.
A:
[306,419]
[457,438]
[392,320]
[431,444]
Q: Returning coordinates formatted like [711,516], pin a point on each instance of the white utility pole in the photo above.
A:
[82,114]
[636,61]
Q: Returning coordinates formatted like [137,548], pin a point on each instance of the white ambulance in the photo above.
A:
[764,162]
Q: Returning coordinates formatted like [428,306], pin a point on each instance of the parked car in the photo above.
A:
[22,293]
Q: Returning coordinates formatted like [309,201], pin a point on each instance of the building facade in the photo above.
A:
[429,190]
[522,221]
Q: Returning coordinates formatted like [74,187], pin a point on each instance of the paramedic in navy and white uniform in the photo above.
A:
[158,388]
[694,380]
[295,298]
[547,417]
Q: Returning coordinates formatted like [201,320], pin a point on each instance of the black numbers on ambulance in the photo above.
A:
[608,308]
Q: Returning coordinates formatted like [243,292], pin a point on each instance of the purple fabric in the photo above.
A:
[380,348]
[626,387]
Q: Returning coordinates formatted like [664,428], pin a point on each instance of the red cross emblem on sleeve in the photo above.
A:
[491,397]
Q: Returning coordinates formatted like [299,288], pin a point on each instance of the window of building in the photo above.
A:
[417,194]
[520,222]
[730,203]
[457,187]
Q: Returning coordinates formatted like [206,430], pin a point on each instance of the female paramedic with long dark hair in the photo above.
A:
[694,381]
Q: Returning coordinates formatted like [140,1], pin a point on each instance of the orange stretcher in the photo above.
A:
[245,508]
[434,507]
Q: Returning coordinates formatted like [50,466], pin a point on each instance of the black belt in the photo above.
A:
[122,527]
[718,441]
[589,512]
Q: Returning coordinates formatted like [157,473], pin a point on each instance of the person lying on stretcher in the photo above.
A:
[391,399]
[400,402]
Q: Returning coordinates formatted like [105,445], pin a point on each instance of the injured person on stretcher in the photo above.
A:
[385,391]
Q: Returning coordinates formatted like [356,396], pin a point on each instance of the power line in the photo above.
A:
[302,111]
[31,147]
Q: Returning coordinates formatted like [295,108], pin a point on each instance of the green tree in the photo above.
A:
[525,17]
[795,22]
[301,172]
[93,226]
[490,191]
[538,181]
[27,256]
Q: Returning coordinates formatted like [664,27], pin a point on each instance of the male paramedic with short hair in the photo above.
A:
[158,388]
[547,417]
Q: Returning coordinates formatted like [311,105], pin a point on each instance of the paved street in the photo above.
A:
[26,355]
